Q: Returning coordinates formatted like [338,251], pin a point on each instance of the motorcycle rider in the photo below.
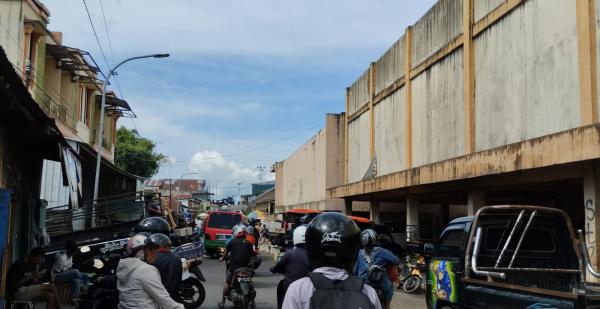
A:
[294,264]
[372,263]
[139,282]
[332,243]
[167,262]
[240,252]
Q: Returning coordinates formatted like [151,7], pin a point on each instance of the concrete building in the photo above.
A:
[302,179]
[265,202]
[479,103]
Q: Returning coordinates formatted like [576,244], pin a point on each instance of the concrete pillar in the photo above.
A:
[475,200]
[591,195]
[375,212]
[412,218]
[348,206]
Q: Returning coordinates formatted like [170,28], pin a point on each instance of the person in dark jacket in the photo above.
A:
[293,265]
[167,262]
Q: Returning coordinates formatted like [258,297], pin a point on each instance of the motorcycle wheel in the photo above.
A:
[192,293]
[411,284]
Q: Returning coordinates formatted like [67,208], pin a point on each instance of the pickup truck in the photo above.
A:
[511,257]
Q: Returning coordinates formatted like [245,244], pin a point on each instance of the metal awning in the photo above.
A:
[117,106]
[73,60]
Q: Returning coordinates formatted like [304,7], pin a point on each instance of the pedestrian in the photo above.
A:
[332,244]
[167,262]
[293,265]
[239,252]
[24,281]
[139,282]
[372,264]
[63,271]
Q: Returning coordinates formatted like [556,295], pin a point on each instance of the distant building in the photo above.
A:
[260,187]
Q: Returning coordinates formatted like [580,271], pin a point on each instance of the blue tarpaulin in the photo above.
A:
[4,210]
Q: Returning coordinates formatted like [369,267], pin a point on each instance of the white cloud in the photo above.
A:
[223,174]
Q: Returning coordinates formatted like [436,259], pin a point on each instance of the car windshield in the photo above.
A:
[223,221]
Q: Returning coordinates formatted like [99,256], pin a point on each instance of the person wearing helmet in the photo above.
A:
[332,244]
[239,252]
[293,265]
[152,225]
[372,263]
[139,282]
[158,247]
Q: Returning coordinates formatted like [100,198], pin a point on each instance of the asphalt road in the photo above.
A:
[266,287]
[265,283]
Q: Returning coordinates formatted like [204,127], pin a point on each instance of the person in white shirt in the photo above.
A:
[332,243]
[63,271]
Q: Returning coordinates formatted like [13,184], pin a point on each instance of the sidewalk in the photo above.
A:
[412,301]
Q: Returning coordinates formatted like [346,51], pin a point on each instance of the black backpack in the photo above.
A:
[342,294]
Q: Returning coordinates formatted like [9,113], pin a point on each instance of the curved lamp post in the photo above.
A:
[101,124]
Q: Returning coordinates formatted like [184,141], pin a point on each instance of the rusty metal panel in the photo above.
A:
[358,152]
[438,27]
[359,93]
[438,111]
[526,72]
[390,67]
[389,133]
[483,7]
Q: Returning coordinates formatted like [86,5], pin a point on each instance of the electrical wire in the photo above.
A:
[95,33]
[112,53]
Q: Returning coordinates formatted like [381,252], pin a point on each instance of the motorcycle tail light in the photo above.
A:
[244,274]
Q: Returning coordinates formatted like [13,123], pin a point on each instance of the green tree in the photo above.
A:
[135,154]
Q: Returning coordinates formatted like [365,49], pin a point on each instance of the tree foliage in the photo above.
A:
[135,154]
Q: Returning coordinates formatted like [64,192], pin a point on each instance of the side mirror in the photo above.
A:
[429,248]
[84,249]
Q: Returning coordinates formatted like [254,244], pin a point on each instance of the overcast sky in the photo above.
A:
[247,83]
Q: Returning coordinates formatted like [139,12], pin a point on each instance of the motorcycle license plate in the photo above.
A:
[244,279]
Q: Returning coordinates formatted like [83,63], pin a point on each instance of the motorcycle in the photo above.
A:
[415,280]
[192,292]
[242,292]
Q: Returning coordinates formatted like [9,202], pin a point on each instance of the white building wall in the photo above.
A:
[358,148]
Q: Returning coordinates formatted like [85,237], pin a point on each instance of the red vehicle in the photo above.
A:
[217,229]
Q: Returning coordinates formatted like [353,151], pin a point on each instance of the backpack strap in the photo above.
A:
[320,282]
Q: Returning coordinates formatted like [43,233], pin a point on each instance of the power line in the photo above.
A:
[96,34]
[112,53]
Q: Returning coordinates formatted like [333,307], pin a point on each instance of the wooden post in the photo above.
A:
[372,110]
[469,76]
[588,76]
[346,136]
[408,98]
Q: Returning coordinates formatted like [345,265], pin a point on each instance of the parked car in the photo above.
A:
[510,257]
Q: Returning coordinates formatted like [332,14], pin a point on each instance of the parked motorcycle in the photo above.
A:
[242,292]
[415,280]
[192,293]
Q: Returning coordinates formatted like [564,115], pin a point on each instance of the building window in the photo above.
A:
[84,106]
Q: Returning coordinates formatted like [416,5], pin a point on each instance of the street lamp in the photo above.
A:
[101,124]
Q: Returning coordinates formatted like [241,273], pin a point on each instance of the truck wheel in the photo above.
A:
[411,284]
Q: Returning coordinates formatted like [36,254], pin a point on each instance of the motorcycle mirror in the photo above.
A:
[84,249]
[98,264]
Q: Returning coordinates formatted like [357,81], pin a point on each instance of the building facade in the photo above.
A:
[480,103]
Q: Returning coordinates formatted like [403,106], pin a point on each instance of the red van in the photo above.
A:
[217,229]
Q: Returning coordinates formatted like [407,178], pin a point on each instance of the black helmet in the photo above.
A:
[152,225]
[158,240]
[368,238]
[332,239]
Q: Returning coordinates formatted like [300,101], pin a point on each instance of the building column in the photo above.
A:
[348,206]
[375,212]
[475,200]
[591,195]
[412,218]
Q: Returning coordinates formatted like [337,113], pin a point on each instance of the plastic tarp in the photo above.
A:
[72,171]
[4,213]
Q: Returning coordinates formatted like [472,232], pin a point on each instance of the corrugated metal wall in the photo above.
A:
[52,189]
[389,134]
[527,74]
[390,67]
[358,147]
[436,28]
[438,111]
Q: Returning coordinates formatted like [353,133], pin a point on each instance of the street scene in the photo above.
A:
[299,155]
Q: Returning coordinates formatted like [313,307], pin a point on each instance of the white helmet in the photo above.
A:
[135,246]
[299,235]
